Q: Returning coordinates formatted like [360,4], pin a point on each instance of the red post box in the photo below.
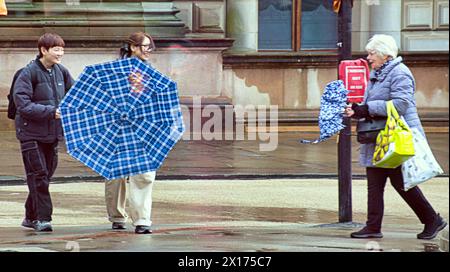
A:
[355,74]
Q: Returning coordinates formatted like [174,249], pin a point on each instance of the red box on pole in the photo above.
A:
[355,74]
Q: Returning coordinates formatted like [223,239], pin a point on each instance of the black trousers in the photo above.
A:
[40,161]
[376,181]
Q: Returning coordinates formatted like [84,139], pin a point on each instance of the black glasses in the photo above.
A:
[147,47]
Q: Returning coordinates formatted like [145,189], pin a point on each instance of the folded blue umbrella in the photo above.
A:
[332,105]
[121,118]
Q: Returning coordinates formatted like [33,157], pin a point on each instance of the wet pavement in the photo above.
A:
[226,159]
[204,201]
[272,215]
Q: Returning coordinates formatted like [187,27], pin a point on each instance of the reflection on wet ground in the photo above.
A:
[233,159]
[219,215]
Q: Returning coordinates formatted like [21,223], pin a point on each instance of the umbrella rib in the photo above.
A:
[80,124]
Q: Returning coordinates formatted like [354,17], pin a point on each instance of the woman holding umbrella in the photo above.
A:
[139,187]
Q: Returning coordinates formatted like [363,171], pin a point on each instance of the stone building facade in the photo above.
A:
[215,49]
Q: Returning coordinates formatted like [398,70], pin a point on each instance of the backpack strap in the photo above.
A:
[33,76]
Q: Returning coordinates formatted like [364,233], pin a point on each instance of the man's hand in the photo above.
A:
[58,114]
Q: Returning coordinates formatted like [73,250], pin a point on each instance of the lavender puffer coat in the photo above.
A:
[395,83]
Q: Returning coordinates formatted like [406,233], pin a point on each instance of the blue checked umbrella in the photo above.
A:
[121,118]
[332,105]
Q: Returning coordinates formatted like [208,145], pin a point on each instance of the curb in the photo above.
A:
[14,180]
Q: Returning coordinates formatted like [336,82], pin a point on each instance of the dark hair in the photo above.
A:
[49,40]
[137,38]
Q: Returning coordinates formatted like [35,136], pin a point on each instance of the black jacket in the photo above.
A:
[37,94]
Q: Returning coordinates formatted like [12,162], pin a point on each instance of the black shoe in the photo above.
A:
[366,233]
[118,226]
[42,225]
[27,223]
[143,230]
[431,230]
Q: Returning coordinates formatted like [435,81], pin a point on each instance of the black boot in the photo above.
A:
[431,230]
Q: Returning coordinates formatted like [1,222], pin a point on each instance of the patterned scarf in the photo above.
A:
[380,70]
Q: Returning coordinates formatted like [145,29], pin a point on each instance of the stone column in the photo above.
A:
[242,24]
[360,25]
[386,18]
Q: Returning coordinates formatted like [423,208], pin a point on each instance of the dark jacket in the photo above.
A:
[37,94]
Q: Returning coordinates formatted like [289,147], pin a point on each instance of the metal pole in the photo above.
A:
[345,144]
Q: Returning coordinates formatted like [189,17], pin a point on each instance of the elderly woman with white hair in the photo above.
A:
[390,79]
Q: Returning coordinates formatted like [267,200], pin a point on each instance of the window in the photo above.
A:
[294,25]
[275,24]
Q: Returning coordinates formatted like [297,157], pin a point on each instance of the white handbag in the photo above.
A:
[423,166]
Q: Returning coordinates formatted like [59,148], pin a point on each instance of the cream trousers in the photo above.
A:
[139,189]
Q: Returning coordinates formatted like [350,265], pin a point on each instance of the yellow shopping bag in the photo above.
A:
[3,10]
[394,143]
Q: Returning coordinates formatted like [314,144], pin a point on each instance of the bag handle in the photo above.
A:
[392,111]
[389,106]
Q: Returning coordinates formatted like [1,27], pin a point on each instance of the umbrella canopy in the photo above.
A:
[332,105]
[121,118]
